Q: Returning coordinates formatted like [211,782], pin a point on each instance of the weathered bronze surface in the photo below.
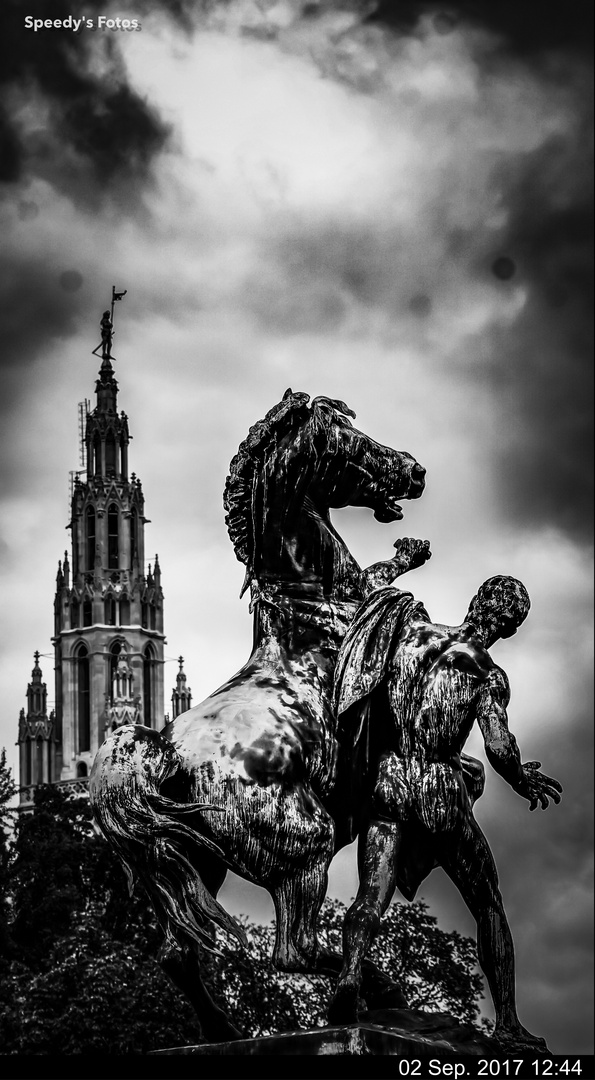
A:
[408,692]
[247,779]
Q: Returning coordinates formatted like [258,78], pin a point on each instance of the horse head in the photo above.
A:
[295,465]
[362,472]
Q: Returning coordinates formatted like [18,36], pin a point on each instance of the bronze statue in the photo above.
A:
[408,692]
[245,780]
[107,334]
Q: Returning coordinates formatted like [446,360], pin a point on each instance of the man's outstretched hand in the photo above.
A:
[538,788]
[411,553]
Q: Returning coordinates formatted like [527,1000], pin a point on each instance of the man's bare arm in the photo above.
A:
[501,746]
[410,553]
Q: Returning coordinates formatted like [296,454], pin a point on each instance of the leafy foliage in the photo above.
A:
[78,968]
[7,793]
[436,971]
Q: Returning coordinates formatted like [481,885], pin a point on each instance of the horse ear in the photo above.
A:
[334,403]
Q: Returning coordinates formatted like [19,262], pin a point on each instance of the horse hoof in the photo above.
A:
[517,1039]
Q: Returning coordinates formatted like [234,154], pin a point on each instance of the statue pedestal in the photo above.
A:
[388,1032]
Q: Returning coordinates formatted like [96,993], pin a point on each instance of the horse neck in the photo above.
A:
[300,625]
[306,594]
[303,555]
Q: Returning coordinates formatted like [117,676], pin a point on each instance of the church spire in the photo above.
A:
[108,613]
[36,735]
[181,699]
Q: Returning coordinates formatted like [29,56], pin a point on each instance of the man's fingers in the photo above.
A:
[532,765]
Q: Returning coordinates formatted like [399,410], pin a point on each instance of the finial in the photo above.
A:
[180,661]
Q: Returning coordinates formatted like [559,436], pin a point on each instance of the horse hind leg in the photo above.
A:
[297,905]
[297,901]
[183,966]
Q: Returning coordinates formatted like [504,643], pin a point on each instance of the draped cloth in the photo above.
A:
[369,643]
[364,662]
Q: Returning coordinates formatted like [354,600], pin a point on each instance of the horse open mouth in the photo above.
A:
[388,512]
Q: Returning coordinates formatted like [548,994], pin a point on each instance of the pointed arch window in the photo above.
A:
[110,454]
[111,611]
[124,611]
[28,755]
[149,663]
[83,687]
[97,454]
[114,655]
[87,612]
[39,761]
[82,770]
[113,521]
[75,614]
[123,457]
[133,536]
[90,518]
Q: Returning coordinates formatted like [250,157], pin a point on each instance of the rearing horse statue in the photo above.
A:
[243,781]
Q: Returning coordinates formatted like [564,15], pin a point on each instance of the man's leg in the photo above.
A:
[468,861]
[377,856]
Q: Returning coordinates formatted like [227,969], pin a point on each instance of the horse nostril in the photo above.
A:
[418,472]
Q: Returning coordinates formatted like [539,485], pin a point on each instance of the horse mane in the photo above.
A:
[237,495]
[243,469]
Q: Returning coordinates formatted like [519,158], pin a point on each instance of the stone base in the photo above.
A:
[388,1032]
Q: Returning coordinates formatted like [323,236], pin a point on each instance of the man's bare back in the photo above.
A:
[438,681]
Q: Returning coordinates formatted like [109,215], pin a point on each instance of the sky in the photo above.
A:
[388,203]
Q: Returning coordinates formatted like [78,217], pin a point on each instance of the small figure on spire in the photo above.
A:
[107,333]
[107,327]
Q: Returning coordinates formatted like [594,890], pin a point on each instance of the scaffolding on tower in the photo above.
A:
[84,408]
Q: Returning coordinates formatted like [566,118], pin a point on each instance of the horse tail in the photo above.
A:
[146,829]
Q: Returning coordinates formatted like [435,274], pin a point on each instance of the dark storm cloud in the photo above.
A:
[95,116]
[526,27]
[69,118]
[55,312]
[541,367]
[538,365]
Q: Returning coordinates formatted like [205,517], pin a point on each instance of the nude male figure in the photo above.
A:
[436,682]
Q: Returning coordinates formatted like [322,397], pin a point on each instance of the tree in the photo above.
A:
[83,975]
[436,970]
[80,973]
[7,793]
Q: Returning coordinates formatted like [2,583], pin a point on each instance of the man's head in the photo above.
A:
[499,607]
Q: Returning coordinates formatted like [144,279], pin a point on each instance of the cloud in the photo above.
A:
[386,203]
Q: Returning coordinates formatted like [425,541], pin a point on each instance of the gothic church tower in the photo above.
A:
[108,613]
